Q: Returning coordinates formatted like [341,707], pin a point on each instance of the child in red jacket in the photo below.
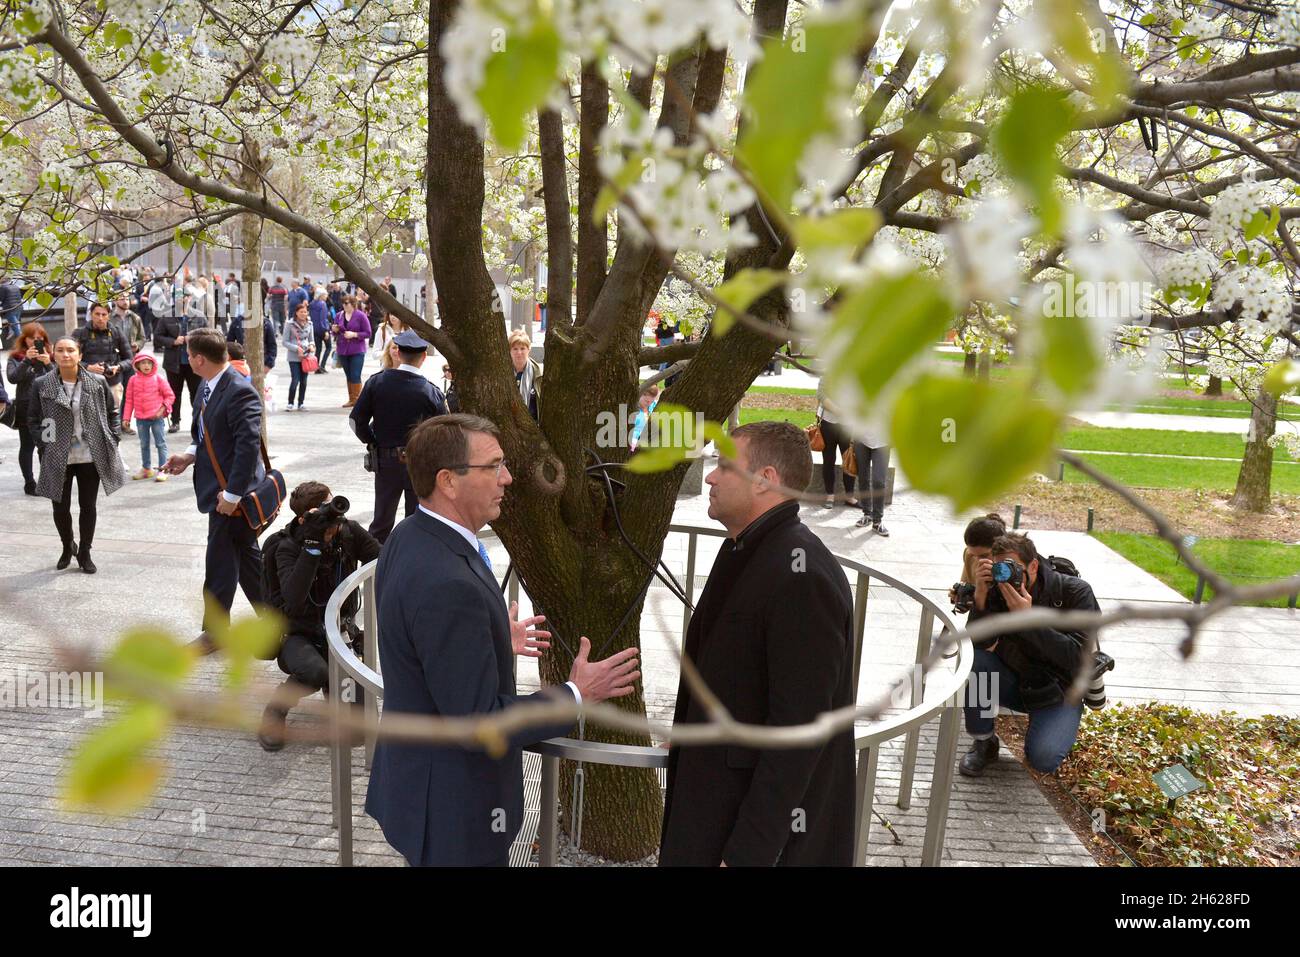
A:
[149,398]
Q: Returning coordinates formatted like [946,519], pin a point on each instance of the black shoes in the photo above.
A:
[876,527]
[29,488]
[880,530]
[69,549]
[173,428]
[203,645]
[981,755]
[271,734]
[83,559]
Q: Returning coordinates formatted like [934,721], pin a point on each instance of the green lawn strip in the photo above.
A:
[1161,441]
[801,419]
[778,390]
[1239,818]
[1210,408]
[1239,560]
[1140,472]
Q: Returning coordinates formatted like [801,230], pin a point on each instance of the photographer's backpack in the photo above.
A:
[271,595]
[1095,696]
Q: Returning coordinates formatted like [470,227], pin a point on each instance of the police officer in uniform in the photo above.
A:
[390,405]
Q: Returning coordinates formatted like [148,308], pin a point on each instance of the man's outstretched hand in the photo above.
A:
[177,464]
[525,641]
[612,677]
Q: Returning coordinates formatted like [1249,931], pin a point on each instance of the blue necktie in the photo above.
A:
[482,553]
[203,403]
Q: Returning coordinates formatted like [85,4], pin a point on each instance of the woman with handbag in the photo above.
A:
[351,333]
[298,345]
[32,357]
[834,437]
[74,422]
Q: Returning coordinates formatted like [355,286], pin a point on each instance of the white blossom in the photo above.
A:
[1262,298]
[1234,209]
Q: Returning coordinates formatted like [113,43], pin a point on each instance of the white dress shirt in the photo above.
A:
[193,449]
[474,543]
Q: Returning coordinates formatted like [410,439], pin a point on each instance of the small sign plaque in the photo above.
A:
[1177,781]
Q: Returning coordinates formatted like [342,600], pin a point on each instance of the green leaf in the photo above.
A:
[1070,356]
[1243,257]
[741,290]
[843,227]
[518,79]
[121,37]
[184,240]
[147,656]
[1283,378]
[884,326]
[159,62]
[1258,223]
[44,299]
[29,247]
[970,440]
[1026,139]
[657,459]
[787,102]
[716,433]
[111,770]
[1148,20]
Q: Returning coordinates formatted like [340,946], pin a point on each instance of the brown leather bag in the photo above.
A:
[815,439]
[850,464]
[260,506]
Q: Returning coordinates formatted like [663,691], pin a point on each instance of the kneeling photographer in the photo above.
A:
[304,562]
[1031,670]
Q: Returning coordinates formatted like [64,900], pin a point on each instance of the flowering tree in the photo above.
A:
[1051,178]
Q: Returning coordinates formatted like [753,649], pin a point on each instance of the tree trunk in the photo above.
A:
[969,363]
[985,366]
[1215,386]
[295,255]
[1254,481]
[251,228]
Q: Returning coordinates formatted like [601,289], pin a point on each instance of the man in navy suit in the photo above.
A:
[228,413]
[447,643]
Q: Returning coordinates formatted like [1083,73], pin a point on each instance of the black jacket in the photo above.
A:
[772,636]
[107,346]
[236,334]
[11,296]
[23,373]
[166,330]
[1037,653]
[307,581]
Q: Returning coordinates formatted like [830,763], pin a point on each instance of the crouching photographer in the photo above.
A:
[1030,670]
[304,562]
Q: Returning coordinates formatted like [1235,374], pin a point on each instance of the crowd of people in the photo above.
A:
[446,637]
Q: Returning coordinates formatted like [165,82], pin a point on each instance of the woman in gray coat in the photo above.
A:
[74,422]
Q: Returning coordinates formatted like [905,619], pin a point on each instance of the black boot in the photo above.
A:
[981,755]
[83,559]
[69,549]
[271,735]
[29,487]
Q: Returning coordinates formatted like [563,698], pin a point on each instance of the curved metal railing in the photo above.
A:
[345,666]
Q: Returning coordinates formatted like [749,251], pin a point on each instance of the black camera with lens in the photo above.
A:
[1013,573]
[335,509]
[963,597]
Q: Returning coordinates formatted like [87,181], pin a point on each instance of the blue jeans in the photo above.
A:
[297,382]
[352,367]
[155,429]
[1051,730]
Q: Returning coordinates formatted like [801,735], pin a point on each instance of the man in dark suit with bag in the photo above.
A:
[448,642]
[772,637]
[228,459]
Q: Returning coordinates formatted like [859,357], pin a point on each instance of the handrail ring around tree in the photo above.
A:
[345,665]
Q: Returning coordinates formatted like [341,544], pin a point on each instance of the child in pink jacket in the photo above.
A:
[149,398]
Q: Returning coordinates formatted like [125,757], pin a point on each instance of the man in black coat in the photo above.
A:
[228,414]
[772,637]
[392,402]
[305,562]
[169,332]
[448,643]
[236,333]
[1030,670]
[104,350]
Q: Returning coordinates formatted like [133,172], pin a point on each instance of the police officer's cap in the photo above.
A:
[410,341]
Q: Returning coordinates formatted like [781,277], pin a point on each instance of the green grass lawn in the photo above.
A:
[1242,561]
[778,390]
[1212,408]
[801,419]
[1160,441]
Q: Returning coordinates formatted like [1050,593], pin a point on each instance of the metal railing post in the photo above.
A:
[343,764]
[864,802]
[860,597]
[936,816]
[690,583]
[924,639]
[548,811]
[370,645]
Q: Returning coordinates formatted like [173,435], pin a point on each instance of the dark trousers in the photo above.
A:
[323,347]
[187,378]
[352,367]
[392,482]
[124,379]
[836,439]
[87,477]
[233,558]
[1052,730]
[26,447]
[304,660]
[297,382]
[873,475]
